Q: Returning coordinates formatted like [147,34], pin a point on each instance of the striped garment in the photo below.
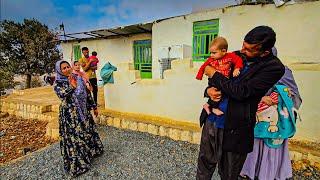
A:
[262,106]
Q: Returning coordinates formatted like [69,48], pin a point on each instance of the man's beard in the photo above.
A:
[254,59]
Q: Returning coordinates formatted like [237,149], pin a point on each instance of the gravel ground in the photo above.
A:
[128,155]
[304,170]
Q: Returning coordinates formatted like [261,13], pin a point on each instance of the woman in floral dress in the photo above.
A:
[80,141]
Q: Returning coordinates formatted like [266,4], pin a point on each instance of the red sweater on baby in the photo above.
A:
[223,65]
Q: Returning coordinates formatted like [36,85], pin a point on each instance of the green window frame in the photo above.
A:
[142,57]
[76,52]
[203,33]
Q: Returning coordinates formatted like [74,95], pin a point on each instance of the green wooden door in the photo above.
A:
[143,58]
[203,33]
[76,52]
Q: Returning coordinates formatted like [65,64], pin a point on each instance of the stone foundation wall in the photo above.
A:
[31,111]
[174,133]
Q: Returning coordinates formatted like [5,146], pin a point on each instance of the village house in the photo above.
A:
[157,61]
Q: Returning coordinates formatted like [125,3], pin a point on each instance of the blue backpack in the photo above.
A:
[286,120]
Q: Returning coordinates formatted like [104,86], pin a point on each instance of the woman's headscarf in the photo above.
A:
[288,80]
[59,74]
[79,96]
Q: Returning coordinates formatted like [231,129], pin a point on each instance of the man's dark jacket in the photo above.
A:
[244,96]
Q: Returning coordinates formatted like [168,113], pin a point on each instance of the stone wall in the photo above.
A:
[183,131]
[29,110]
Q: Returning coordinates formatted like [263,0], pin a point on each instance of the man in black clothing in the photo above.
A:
[229,147]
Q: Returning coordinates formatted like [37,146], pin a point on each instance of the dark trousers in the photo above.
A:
[94,84]
[211,154]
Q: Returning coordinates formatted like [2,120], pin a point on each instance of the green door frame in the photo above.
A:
[142,54]
[203,33]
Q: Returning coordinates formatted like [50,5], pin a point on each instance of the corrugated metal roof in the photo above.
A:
[123,31]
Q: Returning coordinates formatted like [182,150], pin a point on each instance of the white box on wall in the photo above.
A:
[175,52]
[169,53]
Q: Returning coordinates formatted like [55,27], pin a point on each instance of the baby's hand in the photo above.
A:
[73,82]
[267,100]
[207,108]
[236,72]
[93,60]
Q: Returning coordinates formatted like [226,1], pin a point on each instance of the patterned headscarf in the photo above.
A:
[59,74]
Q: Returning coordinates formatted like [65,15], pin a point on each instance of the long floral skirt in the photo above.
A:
[79,142]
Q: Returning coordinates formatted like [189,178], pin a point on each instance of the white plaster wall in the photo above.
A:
[297,28]
[179,96]
[309,86]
